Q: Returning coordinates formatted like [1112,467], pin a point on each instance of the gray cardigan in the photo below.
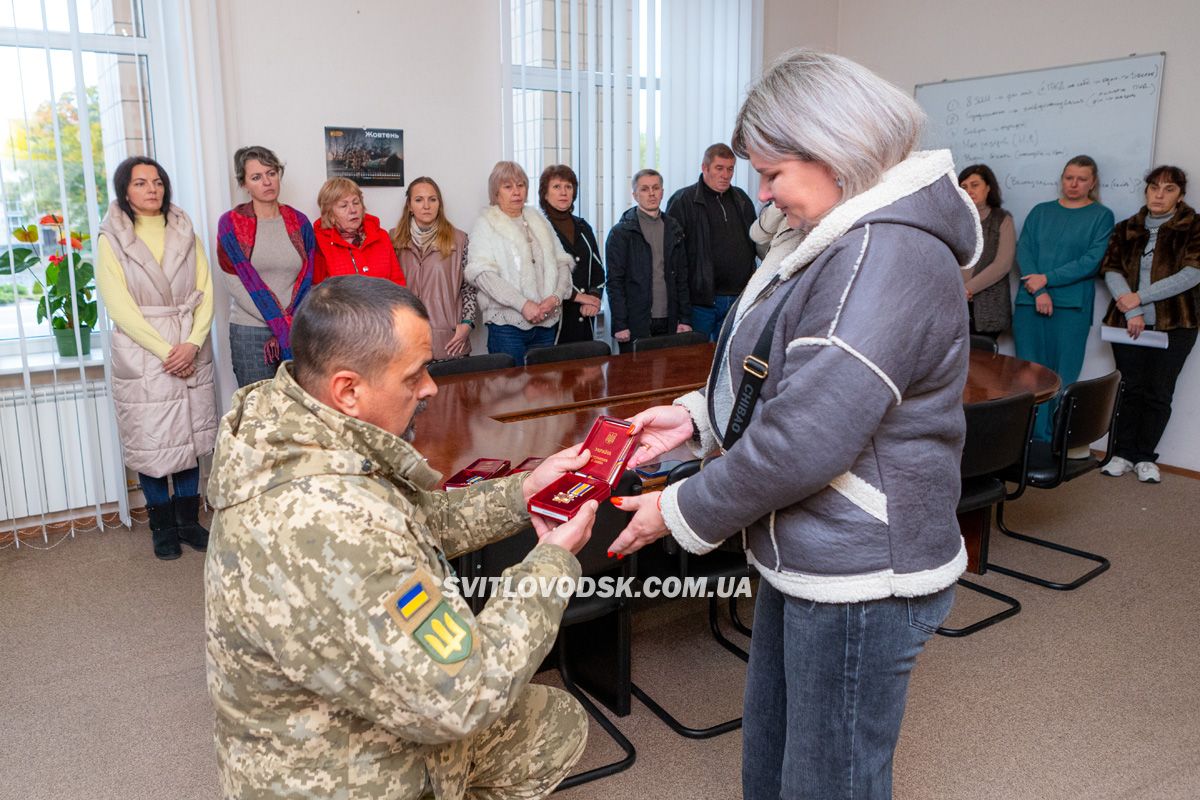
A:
[846,481]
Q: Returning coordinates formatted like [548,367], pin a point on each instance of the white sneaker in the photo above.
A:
[1117,466]
[1147,472]
[1079,453]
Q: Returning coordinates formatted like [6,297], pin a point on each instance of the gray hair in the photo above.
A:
[502,172]
[828,109]
[348,322]
[258,153]
[642,173]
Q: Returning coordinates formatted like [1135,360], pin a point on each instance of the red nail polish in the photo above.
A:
[616,501]
[619,557]
[610,553]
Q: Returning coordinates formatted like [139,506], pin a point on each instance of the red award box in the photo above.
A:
[481,469]
[528,465]
[610,442]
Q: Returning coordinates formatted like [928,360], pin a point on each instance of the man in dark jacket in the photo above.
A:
[716,218]
[647,268]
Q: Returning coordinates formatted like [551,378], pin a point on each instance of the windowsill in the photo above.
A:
[50,361]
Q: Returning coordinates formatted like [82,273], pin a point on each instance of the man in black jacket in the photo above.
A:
[647,268]
[716,218]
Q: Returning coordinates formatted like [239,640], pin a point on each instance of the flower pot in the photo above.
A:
[66,341]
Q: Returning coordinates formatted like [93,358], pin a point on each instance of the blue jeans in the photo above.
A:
[516,341]
[709,319]
[825,693]
[156,492]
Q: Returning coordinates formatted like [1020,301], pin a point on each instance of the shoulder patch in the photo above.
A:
[446,637]
[409,605]
[419,610]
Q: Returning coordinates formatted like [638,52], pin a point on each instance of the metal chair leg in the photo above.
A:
[719,635]
[604,722]
[1062,548]
[677,726]
[738,625]
[671,721]
[1013,608]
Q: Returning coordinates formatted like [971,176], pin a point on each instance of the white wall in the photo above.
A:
[928,40]
[431,69]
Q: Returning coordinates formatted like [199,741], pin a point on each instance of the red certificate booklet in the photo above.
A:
[610,442]
[481,469]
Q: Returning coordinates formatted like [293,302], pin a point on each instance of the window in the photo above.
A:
[75,102]
[612,86]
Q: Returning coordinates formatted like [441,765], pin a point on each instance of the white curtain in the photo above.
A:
[712,51]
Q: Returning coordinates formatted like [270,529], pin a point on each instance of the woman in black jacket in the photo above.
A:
[556,195]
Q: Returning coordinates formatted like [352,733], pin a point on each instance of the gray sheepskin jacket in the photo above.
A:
[845,484]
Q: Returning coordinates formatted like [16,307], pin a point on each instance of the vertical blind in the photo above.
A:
[75,102]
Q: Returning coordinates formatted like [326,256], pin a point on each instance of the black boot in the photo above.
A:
[187,517]
[166,535]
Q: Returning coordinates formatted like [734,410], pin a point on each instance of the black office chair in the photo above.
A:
[722,563]
[986,343]
[566,352]
[1087,411]
[670,340]
[593,651]
[460,366]
[998,433]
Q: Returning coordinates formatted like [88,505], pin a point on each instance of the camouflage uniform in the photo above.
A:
[337,666]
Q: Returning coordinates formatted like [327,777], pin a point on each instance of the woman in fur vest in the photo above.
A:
[1152,269]
[157,288]
[519,267]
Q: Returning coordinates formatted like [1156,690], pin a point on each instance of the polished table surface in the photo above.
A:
[536,411]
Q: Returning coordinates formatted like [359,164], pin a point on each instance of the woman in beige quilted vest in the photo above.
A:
[156,286]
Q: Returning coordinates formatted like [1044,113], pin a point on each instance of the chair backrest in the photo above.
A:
[1087,411]
[566,352]
[986,343]
[670,340]
[998,434]
[460,366]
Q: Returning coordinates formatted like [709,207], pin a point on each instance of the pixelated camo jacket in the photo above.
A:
[337,666]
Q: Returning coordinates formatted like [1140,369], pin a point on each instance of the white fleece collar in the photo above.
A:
[922,168]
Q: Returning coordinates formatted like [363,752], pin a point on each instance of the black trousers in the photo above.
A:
[1150,375]
[658,327]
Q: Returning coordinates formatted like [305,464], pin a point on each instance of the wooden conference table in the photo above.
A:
[535,411]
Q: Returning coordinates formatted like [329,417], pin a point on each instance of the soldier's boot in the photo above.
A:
[164,531]
[187,519]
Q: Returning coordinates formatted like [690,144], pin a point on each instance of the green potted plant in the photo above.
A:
[65,309]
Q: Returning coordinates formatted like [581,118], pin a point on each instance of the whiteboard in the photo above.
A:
[1026,125]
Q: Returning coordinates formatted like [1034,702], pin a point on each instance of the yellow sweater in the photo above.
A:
[110,280]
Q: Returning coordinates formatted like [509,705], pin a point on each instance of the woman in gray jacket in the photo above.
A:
[843,484]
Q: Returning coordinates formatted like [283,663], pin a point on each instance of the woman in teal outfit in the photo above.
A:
[1059,255]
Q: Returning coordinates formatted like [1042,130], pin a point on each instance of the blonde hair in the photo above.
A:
[505,171]
[443,237]
[332,192]
[828,109]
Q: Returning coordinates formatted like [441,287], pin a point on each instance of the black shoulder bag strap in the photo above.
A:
[754,371]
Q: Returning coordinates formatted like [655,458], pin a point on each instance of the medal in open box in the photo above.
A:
[610,443]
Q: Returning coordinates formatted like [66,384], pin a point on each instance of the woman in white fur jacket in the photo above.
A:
[519,267]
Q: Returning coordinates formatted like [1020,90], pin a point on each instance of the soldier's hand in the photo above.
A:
[572,534]
[553,468]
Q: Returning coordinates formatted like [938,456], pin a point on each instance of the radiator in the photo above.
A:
[56,445]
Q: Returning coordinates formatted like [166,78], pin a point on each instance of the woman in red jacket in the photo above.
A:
[349,240]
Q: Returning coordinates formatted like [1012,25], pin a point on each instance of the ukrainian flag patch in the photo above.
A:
[412,601]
